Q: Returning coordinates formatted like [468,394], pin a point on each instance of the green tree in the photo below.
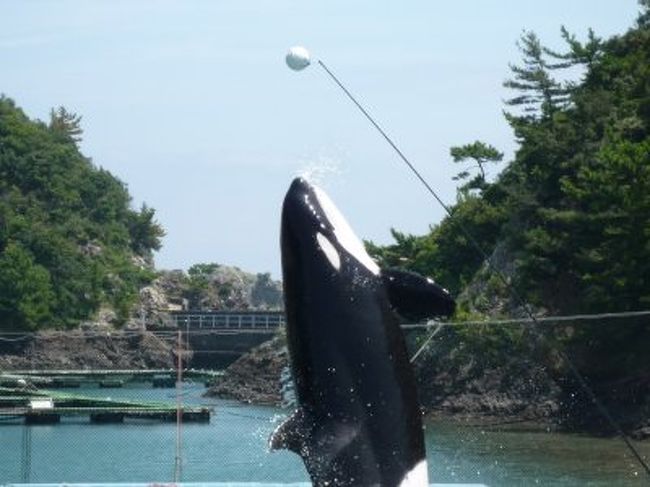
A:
[199,282]
[73,219]
[539,93]
[578,53]
[66,124]
[481,154]
[145,232]
[445,253]
[26,293]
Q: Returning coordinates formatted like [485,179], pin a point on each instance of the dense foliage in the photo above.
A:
[69,240]
[573,207]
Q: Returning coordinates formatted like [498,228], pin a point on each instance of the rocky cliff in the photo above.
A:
[256,377]
[105,341]
[82,350]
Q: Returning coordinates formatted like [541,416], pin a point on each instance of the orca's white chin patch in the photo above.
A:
[417,477]
[343,232]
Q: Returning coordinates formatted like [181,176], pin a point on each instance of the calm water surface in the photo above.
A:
[233,447]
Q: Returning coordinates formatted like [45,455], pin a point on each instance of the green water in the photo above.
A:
[233,448]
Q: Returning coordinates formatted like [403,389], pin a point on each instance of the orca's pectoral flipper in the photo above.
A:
[416,297]
[318,444]
[292,433]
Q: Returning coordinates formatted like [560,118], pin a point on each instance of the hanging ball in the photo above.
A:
[298,58]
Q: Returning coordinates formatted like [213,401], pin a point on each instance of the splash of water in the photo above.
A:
[287,390]
[321,169]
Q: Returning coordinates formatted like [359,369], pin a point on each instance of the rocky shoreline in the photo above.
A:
[515,395]
[107,342]
[512,396]
[255,377]
[77,349]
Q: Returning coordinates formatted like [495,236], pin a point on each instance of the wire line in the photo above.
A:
[537,320]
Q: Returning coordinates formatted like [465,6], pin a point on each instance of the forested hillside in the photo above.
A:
[568,219]
[573,206]
[69,240]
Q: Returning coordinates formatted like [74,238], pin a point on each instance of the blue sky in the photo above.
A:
[190,102]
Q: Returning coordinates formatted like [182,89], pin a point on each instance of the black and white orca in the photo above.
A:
[359,421]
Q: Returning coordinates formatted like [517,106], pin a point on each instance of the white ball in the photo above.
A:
[298,58]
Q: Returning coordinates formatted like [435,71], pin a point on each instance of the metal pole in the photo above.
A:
[178,463]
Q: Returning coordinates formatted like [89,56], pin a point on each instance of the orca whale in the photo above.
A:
[358,421]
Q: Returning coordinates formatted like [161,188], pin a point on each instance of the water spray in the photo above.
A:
[298,58]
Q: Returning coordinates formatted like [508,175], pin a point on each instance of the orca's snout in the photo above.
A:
[299,191]
[299,185]
[301,209]
[298,195]
[300,216]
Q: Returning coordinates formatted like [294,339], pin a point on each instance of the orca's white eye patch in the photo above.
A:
[343,233]
[330,252]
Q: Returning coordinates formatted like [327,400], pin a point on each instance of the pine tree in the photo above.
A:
[578,54]
[541,94]
[66,124]
[479,152]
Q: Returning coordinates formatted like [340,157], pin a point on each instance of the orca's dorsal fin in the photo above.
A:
[416,297]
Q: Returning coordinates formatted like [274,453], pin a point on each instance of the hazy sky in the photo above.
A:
[190,102]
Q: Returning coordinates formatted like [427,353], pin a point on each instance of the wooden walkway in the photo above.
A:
[55,379]
[106,414]
[46,407]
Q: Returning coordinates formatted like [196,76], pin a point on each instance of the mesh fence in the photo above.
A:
[500,407]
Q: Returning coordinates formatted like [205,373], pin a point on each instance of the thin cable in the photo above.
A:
[436,329]
[230,331]
[513,292]
[538,320]
[121,335]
